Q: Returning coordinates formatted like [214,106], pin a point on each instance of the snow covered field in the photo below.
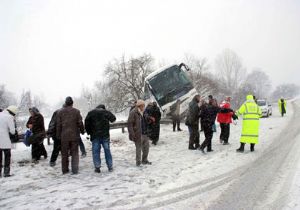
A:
[178,179]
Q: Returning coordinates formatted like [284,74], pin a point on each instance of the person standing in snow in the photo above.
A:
[137,129]
[282,106]
[176,116]
[7,128]
[192,121]
[225,119]
[251,113]
[68,128]
[153,113]
[208,116]
[51,132]
[97,125]
[36,124]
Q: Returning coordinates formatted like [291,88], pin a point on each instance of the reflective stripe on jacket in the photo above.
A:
[251,113]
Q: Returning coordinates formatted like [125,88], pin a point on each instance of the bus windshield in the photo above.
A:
[169,85]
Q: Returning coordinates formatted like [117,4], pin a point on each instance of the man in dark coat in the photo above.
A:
[52,133]
[97,125]
[208,117]
[137,129]
[153,113]
[36,124]
[192,121]
[68,128]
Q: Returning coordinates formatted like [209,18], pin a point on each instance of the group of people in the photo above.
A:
[66,125]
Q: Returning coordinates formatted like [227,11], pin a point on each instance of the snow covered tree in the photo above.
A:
[286,91]
[25,102]
[259,82]
[126,80]
[6,98]
[230,70]
[201,78]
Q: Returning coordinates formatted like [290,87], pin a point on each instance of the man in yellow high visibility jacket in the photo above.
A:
[282,106]
[251,113]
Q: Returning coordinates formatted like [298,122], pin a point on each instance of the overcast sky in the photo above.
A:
[56,47]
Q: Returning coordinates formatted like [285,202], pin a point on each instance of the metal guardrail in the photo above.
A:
[116,125]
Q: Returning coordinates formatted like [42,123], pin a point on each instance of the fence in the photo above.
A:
[116,125]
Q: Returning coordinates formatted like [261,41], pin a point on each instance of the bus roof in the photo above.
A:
[158,71]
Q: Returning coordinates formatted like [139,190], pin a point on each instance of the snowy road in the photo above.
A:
[265,183]
[178,179]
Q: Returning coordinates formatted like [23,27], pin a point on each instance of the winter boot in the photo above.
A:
[241,149]
[52,164]
[191,147]
[202,150]
[252,147]
[146,162]
[97,170]
[6,171]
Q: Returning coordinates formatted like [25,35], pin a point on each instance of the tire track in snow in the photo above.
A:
[251,188]
[198,188]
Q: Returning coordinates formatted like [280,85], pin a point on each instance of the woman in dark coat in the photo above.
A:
[36,125]
[153,112]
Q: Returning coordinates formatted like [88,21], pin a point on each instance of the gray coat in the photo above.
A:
[135,125]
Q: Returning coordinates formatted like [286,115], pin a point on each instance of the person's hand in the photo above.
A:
[152,119]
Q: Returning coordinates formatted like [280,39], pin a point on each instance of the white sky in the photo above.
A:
[56,47]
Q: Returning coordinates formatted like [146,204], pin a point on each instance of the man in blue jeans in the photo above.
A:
[97,125]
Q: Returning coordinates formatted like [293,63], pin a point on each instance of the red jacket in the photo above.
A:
[225,117]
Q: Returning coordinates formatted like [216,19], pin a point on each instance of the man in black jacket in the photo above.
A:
[97,125]
[208,116]
[56,142]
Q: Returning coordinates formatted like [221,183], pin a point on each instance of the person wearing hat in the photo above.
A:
[137,129]
[69,126]
[36,124]
[251,113]
[7,127]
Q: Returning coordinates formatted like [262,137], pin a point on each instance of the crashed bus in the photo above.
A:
[167,85]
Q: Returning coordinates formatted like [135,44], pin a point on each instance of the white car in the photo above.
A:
[266,108]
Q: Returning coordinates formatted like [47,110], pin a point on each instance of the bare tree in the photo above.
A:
[230,70]
[25,102]
[204,81]
[126,79]
[260,83]
[286,91]
[6,98]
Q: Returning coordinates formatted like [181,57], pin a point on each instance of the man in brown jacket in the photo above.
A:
[69,126]
[137,128]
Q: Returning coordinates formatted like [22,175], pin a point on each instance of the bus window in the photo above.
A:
[169,85]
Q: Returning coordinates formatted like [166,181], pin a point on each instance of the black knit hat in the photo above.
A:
[69,101]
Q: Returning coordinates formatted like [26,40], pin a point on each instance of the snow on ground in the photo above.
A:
[174,180]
